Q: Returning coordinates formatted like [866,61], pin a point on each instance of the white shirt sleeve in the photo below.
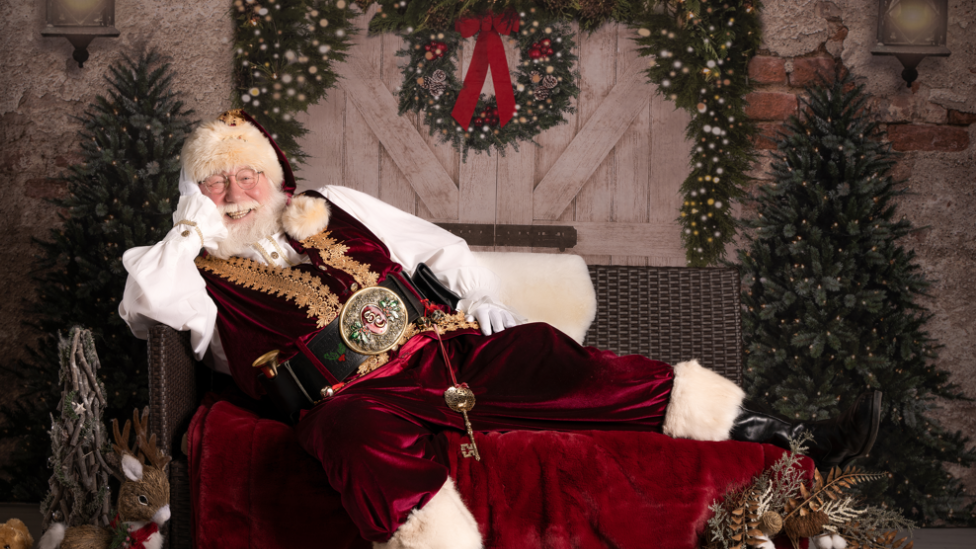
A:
[164,285]
[412,240]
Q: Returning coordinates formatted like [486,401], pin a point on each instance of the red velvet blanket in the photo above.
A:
[253,486]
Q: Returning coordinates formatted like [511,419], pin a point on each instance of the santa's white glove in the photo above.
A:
[198,220]
[491,316]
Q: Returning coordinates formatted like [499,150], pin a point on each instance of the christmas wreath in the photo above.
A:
[530,99]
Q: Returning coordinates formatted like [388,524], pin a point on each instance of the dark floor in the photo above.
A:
[926,538]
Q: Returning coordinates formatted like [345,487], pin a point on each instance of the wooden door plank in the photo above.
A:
[631,159]
[361,154]
[592,144]
[667,145]
[598,59]
[516,177]
[324,143]
[394,187]
[401,140]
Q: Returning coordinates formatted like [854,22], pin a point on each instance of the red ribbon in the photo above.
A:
[488,52]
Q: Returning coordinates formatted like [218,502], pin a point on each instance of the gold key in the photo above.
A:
[461,399]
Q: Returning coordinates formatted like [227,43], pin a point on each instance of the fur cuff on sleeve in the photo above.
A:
[305,216]
[703,404]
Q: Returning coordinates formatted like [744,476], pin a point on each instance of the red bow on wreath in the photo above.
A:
[488,51]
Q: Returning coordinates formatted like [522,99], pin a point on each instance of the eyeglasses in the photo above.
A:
[246,179]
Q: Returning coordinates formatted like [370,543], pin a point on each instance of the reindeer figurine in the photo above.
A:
[143,504]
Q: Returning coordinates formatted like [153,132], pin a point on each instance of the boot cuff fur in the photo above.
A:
[703,404]
[444,523]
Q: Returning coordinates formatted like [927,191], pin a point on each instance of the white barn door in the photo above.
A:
[612,171]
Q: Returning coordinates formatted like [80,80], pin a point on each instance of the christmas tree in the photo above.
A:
[832,307]
[121,195]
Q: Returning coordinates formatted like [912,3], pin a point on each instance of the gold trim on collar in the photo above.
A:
[305,289]
[334,255]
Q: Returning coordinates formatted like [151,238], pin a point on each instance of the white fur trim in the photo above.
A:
[53,537]
[551,288]
[131,467]
[154,541]
[305,216]
[444,523]
[214,147]
[703,404]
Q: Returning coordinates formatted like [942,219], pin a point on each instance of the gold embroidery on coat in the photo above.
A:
[304,289]
[449,323]
[334,255]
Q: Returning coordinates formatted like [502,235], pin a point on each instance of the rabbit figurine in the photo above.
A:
[143,503]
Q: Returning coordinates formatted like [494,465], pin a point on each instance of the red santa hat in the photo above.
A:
[235,139]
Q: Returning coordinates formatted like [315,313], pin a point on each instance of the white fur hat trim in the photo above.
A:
[216,146]
[703,404]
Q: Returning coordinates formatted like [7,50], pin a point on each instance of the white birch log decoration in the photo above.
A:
[79,491]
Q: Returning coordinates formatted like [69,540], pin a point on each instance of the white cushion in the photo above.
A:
[551,288]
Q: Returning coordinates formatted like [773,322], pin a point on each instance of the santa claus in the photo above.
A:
[319,303]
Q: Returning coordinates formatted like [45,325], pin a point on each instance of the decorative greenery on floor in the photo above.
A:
[782,502]
[698,56]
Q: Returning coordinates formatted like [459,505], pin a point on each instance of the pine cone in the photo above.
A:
[812,524]
[439,19]
[596,9]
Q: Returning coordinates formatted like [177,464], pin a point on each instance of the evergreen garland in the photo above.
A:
[284,55]
[122,195]
[830,296]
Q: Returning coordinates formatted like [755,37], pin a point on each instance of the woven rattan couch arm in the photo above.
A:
[173,398]
[670,314]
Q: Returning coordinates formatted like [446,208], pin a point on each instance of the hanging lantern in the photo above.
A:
[80,21]
[911,30]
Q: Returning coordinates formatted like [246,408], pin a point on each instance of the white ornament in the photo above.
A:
[707,128]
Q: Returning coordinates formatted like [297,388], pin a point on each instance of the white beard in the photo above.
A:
[265,221]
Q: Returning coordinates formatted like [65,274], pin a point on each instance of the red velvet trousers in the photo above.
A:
[374,437]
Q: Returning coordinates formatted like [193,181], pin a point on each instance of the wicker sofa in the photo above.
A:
[688,312]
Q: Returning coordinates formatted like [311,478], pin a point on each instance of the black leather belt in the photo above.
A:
[298,383]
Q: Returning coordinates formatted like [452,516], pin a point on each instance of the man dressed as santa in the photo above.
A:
[318,302]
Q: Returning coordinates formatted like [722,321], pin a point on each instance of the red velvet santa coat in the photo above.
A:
[374,438]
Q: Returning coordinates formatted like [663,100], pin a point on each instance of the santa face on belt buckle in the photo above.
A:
[372,320]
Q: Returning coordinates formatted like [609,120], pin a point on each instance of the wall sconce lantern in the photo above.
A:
[911,30]
[80,21]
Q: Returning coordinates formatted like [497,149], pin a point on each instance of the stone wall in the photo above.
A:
[933,124]
[42,89]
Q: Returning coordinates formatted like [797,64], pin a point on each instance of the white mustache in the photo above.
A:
[240,207]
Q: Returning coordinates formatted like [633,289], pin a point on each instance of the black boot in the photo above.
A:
[836,442]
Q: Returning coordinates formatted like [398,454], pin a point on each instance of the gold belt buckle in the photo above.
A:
[372,320]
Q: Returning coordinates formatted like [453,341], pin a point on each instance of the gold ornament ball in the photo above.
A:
[420,81]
